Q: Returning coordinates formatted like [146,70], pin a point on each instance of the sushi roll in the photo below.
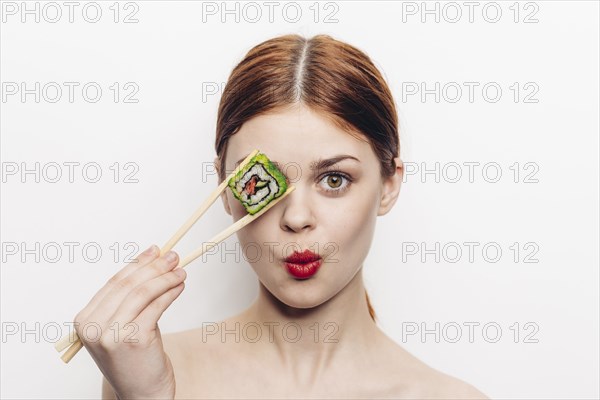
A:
[258,183]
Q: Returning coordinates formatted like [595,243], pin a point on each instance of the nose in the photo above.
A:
[297,212]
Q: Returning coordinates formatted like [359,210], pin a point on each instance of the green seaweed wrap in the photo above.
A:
[258,183]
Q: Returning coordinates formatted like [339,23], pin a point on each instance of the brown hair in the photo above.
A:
[325,74]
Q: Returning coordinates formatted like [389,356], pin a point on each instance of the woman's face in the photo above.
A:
[330,213]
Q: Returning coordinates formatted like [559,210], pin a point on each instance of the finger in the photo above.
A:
[140,261]
[140,297]
[149,317]
[121,289]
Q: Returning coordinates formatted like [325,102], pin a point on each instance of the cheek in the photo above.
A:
[350,224]
[348,215]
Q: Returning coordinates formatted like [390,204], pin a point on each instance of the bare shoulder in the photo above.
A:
[413,378]
[450,387]
[433,384]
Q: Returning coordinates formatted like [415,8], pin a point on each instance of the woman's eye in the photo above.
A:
[336,182]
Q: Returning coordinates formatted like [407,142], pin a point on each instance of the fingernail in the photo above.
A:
[171,256]
[150,250]
[180,272]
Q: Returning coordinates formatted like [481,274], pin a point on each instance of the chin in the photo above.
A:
[301,294]
[304,303]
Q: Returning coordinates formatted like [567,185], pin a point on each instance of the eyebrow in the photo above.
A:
[315,165]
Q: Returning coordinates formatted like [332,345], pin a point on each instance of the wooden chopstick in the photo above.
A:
[66,341]
[71,351]
[75,342]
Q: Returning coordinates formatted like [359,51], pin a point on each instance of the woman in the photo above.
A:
[321,110]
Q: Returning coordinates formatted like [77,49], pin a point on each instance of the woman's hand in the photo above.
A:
[119,326]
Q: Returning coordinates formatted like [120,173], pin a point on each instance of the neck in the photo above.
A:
[307,341]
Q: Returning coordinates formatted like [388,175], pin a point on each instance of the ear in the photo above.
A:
[217,164]
[391,188]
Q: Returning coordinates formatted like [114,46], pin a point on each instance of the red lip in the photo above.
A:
[305,257]
[303,265]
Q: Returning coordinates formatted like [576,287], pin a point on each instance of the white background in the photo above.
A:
[171,54]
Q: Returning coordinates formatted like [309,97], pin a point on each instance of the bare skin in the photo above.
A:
[375,367]
[351,357]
